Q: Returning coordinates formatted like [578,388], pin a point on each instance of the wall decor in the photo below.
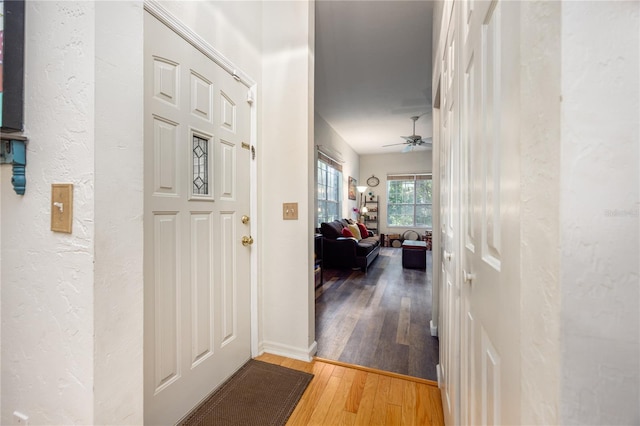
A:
[352,188]
[373,181]
[11,65]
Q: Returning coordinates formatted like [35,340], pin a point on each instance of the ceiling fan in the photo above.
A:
[413,140]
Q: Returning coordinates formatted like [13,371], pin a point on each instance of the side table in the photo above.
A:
[414,254]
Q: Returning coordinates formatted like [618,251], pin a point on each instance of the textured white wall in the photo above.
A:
[600,192]
[540,211]
[286,149]
[381,165]
[118,280]
[47,278]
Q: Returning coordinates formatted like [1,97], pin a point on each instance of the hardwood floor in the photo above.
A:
[344,395]
[379,319]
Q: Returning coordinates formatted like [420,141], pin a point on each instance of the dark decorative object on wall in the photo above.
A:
[373,181]
[11,65]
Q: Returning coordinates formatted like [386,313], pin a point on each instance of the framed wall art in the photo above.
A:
[11,65]
[352,188]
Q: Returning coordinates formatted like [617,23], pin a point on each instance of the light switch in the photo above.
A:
[290,211]
[61,207]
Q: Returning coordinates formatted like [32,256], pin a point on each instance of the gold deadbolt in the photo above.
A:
[244,219]
[247,241]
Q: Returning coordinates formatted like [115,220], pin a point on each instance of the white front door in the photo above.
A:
[489,170]
[197,271]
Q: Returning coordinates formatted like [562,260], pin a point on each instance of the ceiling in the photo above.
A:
[373,70]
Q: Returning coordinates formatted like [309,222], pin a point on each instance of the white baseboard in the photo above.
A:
[434,329]
[289,351]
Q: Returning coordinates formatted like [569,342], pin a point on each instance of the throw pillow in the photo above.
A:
[347,233]
[355,231]
[364,232]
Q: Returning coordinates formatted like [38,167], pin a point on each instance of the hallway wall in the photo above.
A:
[286,175]
[599,213]
[540,298]
[47,278]
[118,264]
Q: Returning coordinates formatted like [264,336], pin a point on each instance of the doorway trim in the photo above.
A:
[191,37]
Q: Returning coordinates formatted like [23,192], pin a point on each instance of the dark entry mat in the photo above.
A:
[258,394]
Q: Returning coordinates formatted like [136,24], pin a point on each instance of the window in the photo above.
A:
[409,202]
[200,157]
[329,191]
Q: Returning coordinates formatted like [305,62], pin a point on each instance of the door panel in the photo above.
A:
[197,273]
[489,205]
[490,375]
[166,235]
[201,291]
[490,110]
[450,344]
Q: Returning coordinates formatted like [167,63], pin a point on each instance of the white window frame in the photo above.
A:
[328,190]
[409,177]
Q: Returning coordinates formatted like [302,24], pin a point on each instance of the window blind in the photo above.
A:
[410,176]
[330,161]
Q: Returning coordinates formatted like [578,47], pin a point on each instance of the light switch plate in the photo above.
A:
[61,207]
[290,211]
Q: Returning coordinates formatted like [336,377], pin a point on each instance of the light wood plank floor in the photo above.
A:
[379,319]
[340,394]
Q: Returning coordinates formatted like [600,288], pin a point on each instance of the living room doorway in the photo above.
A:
[379,319]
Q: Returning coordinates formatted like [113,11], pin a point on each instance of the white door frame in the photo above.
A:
[191,37]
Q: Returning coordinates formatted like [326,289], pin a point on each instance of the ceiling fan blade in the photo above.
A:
[394,144]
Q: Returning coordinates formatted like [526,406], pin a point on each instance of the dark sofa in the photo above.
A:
[346,252]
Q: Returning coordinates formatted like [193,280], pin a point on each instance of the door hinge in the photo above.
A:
[250,97]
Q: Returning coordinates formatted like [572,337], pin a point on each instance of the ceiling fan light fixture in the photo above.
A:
[413,140]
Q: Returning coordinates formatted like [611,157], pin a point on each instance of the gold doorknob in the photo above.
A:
[247,241]
[244,219]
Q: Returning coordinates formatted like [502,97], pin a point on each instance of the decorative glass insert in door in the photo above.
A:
[200,157]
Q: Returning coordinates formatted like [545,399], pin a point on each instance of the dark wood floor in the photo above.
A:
[379,319]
